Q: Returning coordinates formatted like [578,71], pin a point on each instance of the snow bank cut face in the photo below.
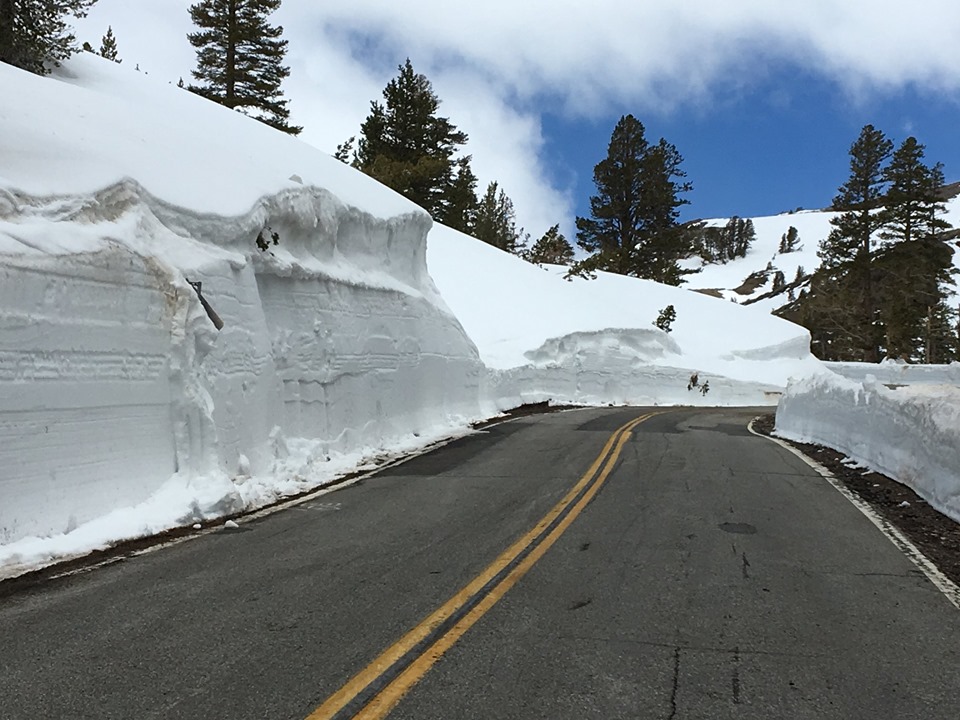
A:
[124,410]
[911,434]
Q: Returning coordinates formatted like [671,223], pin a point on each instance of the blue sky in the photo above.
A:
[762,97]
[779,146]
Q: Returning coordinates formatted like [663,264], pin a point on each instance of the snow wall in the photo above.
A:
[115,385]
[124,411]
[627,366]
[911,434]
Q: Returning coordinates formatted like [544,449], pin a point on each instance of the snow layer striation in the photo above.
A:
[123,410]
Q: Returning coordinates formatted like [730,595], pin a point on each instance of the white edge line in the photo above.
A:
[894,535]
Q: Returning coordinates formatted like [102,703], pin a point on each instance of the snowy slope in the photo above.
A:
[812,227]
[122,409]
[594,340]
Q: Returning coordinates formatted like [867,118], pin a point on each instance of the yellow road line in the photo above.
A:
[389,696]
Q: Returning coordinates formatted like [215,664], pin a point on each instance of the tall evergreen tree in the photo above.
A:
[108,46]
[495,222]
[633,226]
[34,34]
[665,242]
[459,209]
[913,207]
[615,226]
[240,59]
[915,265]
[552,248]
[850,246]
[405,145]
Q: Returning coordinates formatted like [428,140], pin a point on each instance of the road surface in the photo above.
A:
[681,569]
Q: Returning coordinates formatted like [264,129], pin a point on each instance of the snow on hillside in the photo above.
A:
[125,411]
[595,341]
[728,278]
[731,280]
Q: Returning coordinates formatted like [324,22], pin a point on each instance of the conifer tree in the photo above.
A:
[747,238]
[345,152]
[405,145]
[34,34]
[552,249]
[240,59]
[848,252]
[665,242]
[914,266]
[459,209]
[108,46]
[495,222]
[633,225]
[912,205]
[789,241]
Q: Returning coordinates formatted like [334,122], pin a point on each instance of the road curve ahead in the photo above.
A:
[598,563]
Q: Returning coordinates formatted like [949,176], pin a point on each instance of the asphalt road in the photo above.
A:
[713,575]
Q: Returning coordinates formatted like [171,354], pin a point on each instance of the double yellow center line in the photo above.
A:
[377,689]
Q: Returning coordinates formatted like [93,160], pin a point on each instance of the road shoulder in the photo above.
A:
[935,536]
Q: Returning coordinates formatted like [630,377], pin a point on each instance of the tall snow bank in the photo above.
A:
[122,409]
[911,434]
[594,341]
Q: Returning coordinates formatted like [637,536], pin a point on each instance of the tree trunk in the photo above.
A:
[230,91]
[7,11]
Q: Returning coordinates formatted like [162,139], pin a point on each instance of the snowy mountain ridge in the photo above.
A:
[749,280]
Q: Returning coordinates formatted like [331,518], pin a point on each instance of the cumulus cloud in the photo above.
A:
[498,64]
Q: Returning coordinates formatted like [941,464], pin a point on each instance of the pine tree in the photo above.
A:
[743,237]
[615,226]
[34,34]
[551,249]
[914,266]
[459,209]
[913,207]
[789,241]
[108,46]
[779,281]
[665,241]
[730,242]
[240,59]
[848,252]
[633,225]
[495,222]
[405,145]
[345,152]
[665,319]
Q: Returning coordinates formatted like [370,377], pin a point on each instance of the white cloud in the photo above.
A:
[496,64]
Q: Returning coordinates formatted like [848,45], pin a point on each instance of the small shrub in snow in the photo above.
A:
[694,384]
[665,318]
